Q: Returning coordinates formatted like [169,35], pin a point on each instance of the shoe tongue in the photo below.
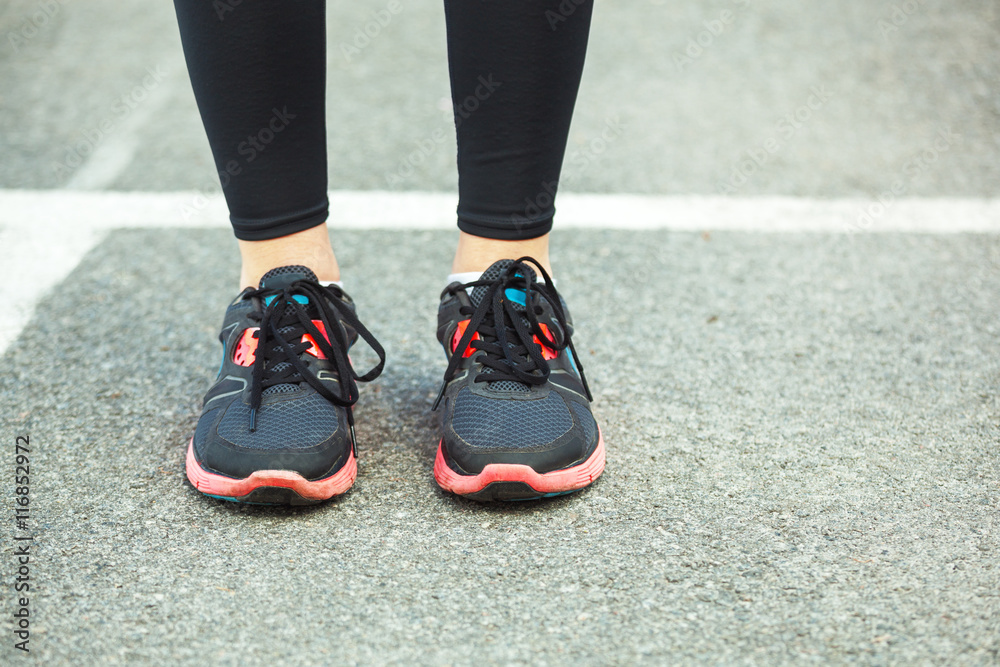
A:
[283,276]
[517,297]
[493,273]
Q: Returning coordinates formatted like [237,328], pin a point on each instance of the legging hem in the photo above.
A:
[516,228]
[271,228]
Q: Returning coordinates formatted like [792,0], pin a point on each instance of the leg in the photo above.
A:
[515,70]
[277,425]
[259,76]
[515,407]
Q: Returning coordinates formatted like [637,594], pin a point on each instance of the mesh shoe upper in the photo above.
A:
[494,423]
[302,421]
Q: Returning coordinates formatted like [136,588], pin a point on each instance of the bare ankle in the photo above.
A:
[475,253]
[310,248]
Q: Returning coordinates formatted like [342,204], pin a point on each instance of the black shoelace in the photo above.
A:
[510,350]
[277,360]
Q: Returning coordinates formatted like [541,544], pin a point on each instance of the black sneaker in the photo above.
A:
[515,406]
[277,426]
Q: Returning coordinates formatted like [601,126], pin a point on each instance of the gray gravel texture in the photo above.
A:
[803,430]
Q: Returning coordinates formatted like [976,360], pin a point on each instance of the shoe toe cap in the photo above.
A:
[547,433]
[305,435]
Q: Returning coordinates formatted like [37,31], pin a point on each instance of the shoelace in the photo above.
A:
[511,352]
[277,360]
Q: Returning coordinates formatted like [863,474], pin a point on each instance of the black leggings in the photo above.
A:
[258,68]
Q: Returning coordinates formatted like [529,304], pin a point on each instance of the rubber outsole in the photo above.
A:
[507,481]
[270,487]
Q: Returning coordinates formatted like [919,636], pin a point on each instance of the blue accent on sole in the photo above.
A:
[554,494]
[228,498]
[223,362]
[231,499]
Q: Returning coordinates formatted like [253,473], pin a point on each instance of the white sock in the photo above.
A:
[330,283]
[466,277]
[470,276]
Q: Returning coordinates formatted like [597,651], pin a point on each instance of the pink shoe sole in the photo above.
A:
[519,482]
[271,486]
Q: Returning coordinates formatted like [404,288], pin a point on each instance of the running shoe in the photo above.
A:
[277,427]
[514,404]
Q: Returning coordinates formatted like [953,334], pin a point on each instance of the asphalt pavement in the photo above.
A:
[802,428]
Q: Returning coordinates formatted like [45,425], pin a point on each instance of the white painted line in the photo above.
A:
[45,233]
[436,210]
[778,214]
[34,261]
